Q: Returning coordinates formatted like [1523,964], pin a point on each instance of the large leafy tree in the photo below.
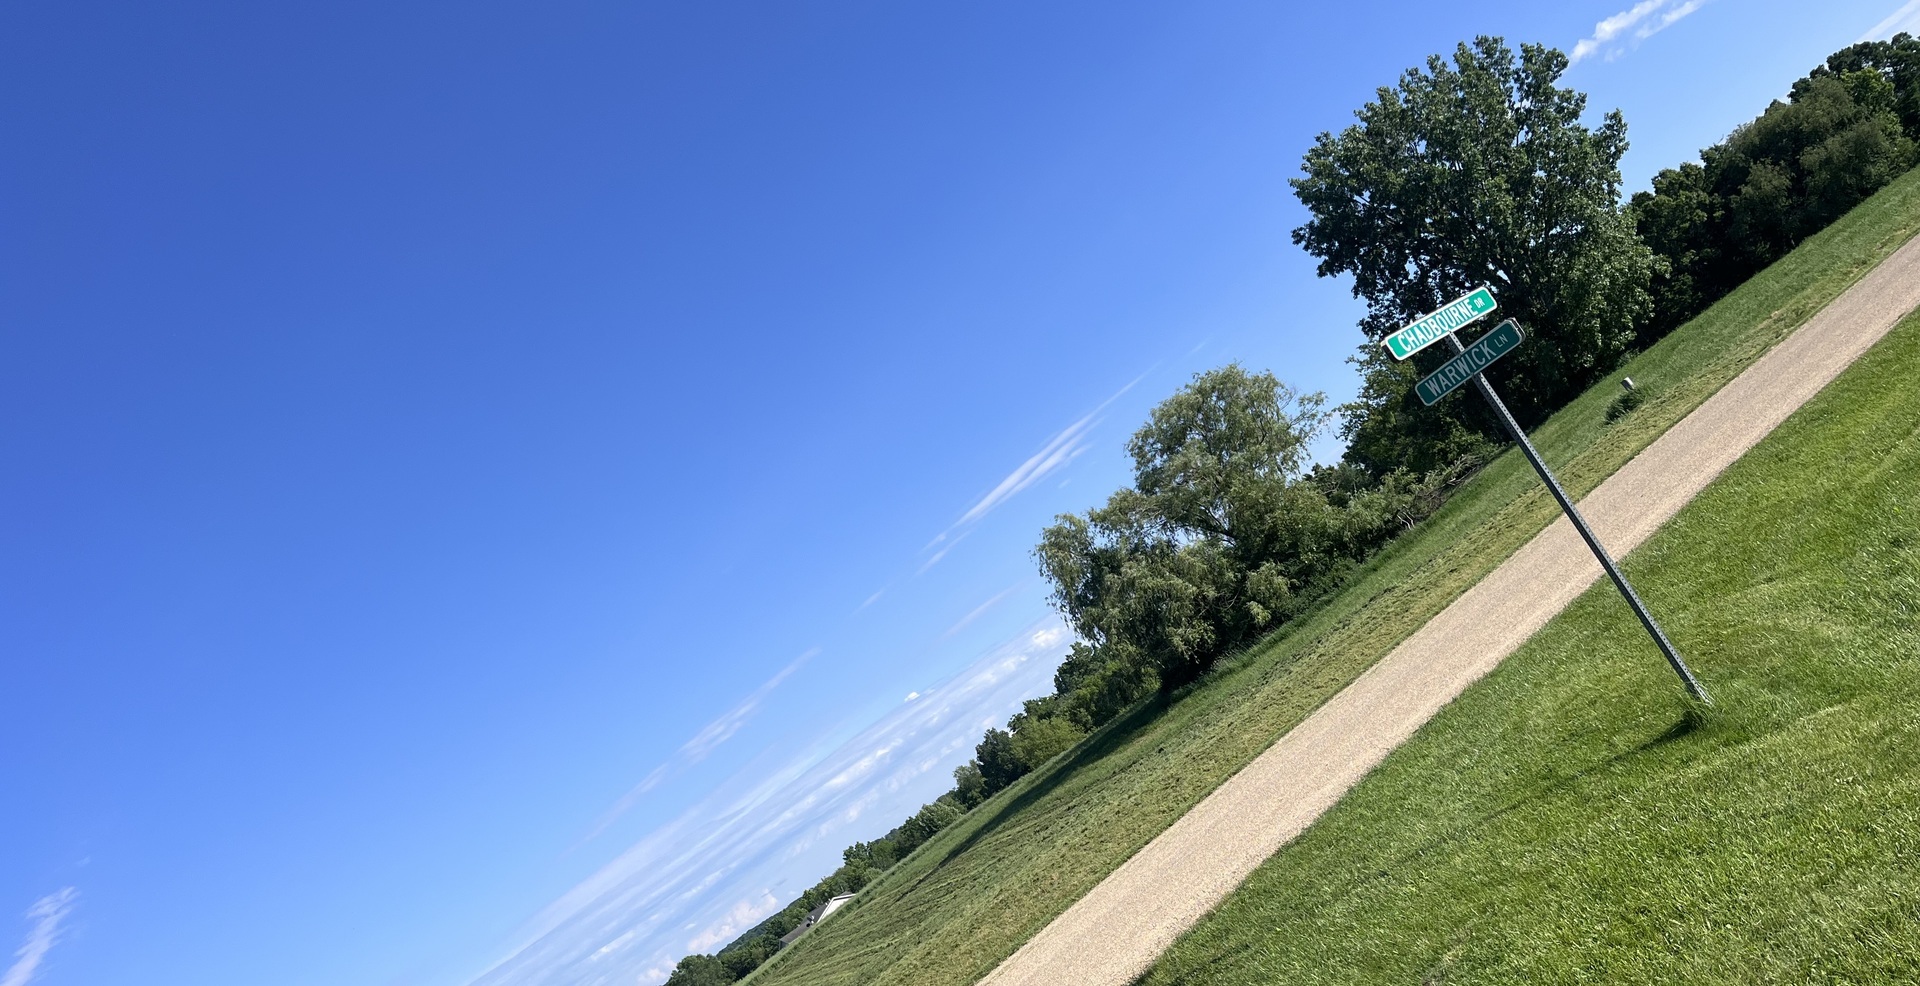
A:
[1479,171]
[1219,538]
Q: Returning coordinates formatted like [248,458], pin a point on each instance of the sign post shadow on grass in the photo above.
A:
[1466,365]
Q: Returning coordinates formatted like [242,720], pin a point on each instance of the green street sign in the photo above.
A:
[1437,324]
[1503,339]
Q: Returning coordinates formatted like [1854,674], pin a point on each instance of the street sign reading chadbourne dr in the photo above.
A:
[1460,369]
[1435,325]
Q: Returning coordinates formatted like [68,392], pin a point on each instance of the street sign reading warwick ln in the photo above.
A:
[1439,323]
[1503,339]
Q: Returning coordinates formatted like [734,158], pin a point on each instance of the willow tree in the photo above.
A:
[1218,539]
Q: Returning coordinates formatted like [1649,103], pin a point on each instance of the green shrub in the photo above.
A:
[1624,404]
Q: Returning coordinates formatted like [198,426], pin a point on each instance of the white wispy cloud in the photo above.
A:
[946,544]
[1065,446]
[47,914]
[1059,450]
[1906,19]
[1667,18]
[1643,20]
[702,744]
[743,915]
[770,830]
[981,609]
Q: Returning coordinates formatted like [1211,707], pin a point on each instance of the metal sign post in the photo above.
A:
[1487,349]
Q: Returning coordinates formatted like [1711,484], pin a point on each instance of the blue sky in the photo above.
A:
[503,493]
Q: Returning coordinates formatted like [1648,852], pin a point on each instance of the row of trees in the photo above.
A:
[860,864]
[1848,129]
[1225,534]
[1478,171]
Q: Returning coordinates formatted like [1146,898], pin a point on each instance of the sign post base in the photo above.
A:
[1694,688]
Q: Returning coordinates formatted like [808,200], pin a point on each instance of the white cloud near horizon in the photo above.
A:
[771,830]
[1904,20]
[702,744]
[47,914]
[743,915]
[1644,19]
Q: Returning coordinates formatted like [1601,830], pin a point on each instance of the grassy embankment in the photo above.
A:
[974,893]
[1563,822]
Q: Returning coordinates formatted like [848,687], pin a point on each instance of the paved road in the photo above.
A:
[1116,931]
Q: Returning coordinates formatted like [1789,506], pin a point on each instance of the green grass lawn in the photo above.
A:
[970,896]
[1565,821]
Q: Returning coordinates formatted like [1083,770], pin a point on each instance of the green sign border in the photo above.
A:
[1475,358]
[1441,322]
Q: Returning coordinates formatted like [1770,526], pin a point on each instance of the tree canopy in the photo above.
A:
[1220,537]
[1479,171]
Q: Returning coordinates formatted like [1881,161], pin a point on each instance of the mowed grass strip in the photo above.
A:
[972,895]
[1567,820]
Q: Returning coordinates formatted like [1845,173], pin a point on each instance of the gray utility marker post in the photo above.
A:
[1694,687]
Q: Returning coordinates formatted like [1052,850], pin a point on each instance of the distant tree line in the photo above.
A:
[1847,129]
[1478,171]
[860,864]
